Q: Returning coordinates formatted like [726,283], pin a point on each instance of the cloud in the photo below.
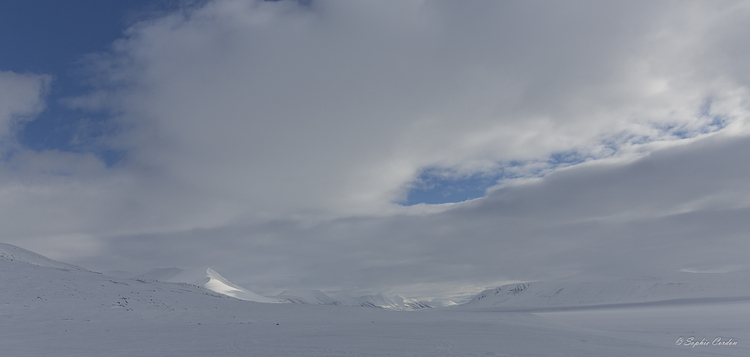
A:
[275,139]
[337,108]
[21,98]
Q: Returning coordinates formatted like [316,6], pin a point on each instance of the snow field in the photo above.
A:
[59,311]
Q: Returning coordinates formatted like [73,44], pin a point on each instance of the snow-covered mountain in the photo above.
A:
[207,278]
[317,297]
[682,286]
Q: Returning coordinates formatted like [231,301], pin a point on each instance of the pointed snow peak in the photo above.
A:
[213,281]
[214,275]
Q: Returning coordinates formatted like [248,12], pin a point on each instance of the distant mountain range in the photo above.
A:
[574,294]
[212,280]
[49,308]
[317,297]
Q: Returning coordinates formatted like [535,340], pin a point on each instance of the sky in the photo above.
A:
[423,148]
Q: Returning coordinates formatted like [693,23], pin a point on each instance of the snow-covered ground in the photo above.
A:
[54,309]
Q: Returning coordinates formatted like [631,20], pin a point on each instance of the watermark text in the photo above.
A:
[694,342]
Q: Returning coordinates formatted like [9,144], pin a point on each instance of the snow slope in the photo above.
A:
[207,278]
[12,253]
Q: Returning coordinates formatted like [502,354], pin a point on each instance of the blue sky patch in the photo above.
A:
[434,186]
[53,37]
